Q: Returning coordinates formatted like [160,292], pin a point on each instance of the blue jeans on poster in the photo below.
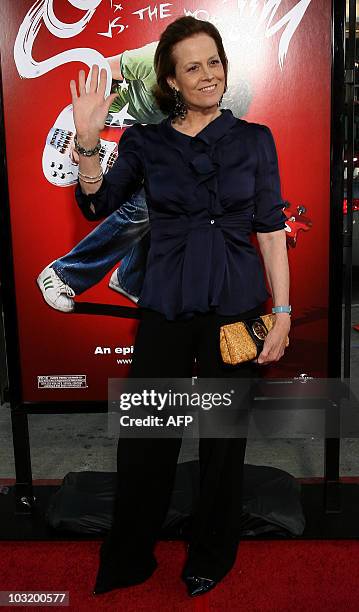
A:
[123,235]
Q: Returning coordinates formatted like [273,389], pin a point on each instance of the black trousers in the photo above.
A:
[147,467]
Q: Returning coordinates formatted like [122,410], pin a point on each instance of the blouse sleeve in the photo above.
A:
[120,182]
[268,215]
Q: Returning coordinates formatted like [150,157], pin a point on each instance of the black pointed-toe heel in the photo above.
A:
[198,585]
[100,589]
[104,586]
[110,577]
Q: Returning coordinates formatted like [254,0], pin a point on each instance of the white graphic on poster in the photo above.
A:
[154,12]
[291,20]
[252,15]
[113,25]
[118,119]
[123,85]
[43,12]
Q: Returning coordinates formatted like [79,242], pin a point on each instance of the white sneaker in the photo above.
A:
[56,293]
[114,284]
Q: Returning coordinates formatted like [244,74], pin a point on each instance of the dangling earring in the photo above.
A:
[180,109]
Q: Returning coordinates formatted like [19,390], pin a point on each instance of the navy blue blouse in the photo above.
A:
[205,195]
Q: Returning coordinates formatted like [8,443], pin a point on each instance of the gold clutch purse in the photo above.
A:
[243,340]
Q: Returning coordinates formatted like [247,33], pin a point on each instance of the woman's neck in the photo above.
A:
[195,122]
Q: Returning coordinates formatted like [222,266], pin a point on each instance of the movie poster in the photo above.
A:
[72,335]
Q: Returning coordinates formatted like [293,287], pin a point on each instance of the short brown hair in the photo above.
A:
[164,64]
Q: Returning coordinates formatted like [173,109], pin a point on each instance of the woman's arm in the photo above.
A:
[269,223]
[96,196]
[273,247]
[90,109]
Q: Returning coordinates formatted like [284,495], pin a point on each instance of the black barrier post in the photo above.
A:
[349,156]
[332,490]
[24,497]
[23,487]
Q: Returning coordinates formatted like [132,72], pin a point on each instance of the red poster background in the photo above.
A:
[46,223]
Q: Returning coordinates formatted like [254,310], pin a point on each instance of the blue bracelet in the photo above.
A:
[282,309]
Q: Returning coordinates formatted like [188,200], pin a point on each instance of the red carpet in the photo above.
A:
[269,576]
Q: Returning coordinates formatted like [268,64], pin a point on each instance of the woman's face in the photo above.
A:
[199,71]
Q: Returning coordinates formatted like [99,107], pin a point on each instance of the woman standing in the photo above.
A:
[210,180]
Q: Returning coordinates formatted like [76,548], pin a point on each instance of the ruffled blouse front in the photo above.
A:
[205,195]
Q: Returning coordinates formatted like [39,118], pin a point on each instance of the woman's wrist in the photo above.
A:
[282,318]
[90,187]
[87,152]
[88,141]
